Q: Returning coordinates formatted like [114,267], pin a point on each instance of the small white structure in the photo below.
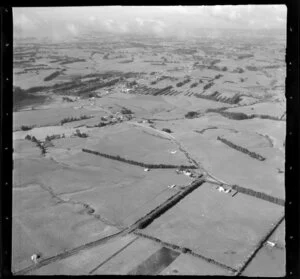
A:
[221,189]
[146,169]
[34,258]
[174,152]
[171,186]
[188,173]
[271,244]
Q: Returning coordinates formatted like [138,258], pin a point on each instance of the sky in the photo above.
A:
[59,23]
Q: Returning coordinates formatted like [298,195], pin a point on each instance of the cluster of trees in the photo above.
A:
[49,138]
[191,114]
[259,195]
[71,119]
[39,144]
[80,135]
[132,83]
[167,130]
[67,99]
[126,111]
[242,56]
[52,76]
[181,83]
[132,162]
[216,68]
[218,76]
[26,128]
[207,86]
[194,84]
[100,124]
[242,149]
[238,70]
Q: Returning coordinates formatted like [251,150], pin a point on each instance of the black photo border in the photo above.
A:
[292,170]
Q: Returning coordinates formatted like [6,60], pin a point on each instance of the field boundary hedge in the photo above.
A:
[258,195]
[242,149]
[132,162]
[243,116]
[185,250]
[170,202]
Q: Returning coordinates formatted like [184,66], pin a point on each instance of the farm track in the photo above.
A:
[215,179]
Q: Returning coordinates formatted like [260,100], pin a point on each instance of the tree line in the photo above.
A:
[144,165]
[242,149]
[259,195]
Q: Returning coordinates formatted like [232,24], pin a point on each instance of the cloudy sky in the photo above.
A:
[63,22]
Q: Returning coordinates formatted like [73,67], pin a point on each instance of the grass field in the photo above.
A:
[231,227]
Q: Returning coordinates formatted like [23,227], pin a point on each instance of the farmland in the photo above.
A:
[149,156]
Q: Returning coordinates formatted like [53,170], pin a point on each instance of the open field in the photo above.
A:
[230,226]
[274,258]
[211,107]
[189,265]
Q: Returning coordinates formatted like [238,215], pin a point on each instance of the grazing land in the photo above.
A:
[142,155]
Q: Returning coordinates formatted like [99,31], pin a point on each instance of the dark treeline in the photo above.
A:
[242,56]
[160,91]
[259,195]
[242,116]
[158,211]
[191,114]
[69,61]
[217,96]
[181,83]
[242,149]
[71,119]
[26,128]
[39,143]
[52,76]
[132,162]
